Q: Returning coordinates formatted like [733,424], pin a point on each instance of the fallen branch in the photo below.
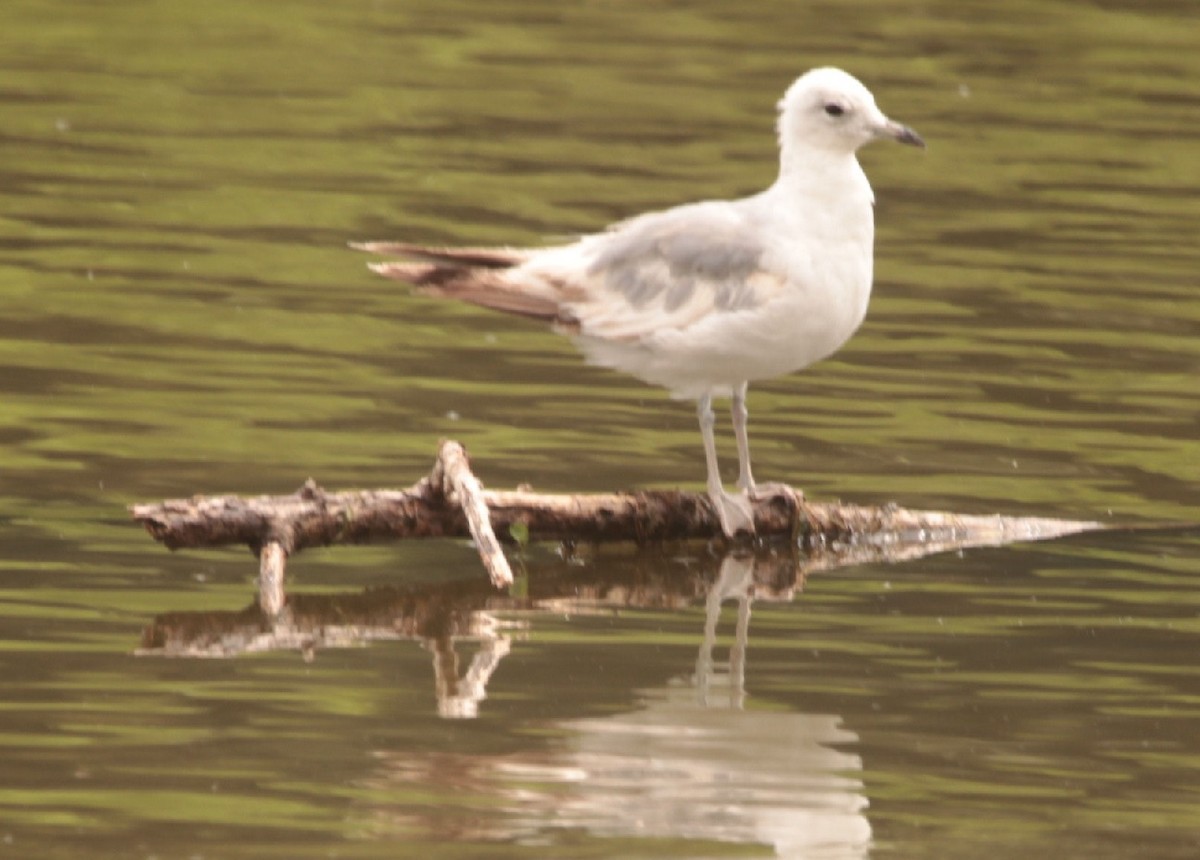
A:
[451,502]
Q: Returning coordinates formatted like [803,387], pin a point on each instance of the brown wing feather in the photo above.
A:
[478,285]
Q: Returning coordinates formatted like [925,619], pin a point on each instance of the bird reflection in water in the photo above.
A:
[689,761]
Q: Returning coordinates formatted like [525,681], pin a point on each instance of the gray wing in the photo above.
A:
[670,269]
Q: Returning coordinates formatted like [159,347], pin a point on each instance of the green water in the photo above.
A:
[181,315]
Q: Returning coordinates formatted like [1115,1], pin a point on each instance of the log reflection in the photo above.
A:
[444,616]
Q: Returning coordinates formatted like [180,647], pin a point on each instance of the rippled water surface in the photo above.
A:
[181,315]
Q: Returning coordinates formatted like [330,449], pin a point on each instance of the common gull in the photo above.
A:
[704,298]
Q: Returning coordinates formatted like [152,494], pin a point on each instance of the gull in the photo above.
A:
[705,298]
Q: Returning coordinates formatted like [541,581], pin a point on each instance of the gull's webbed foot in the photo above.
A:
[772,488]
[736,513]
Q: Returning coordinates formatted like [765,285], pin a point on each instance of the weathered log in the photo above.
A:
[452,503]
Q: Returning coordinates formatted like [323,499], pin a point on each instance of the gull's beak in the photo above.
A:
[900,133]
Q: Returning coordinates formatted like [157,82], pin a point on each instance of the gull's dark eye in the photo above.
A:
[834,109]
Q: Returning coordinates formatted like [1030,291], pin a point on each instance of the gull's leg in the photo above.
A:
[704,412]
[734,512]
[745,480]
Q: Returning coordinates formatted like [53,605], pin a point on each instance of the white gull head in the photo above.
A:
[829,111]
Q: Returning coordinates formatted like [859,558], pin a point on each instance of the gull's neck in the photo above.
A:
[822,174]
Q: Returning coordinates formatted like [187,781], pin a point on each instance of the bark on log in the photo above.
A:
[452,503]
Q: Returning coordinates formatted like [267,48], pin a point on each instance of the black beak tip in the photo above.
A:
[907,135]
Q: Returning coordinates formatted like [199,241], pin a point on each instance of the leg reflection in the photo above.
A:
[735,580]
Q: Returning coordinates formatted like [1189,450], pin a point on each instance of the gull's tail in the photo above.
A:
[490,258]
[480,276]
